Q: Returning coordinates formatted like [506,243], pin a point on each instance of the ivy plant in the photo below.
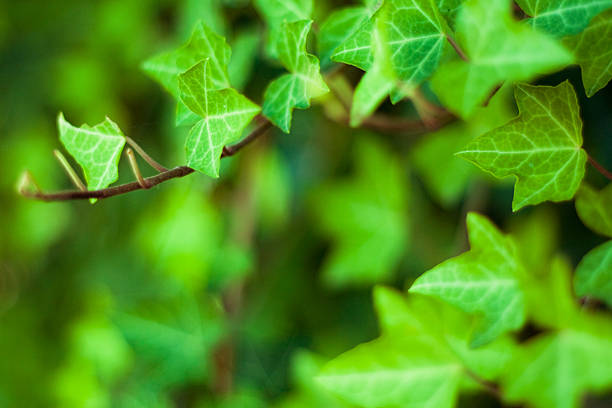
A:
[490,88]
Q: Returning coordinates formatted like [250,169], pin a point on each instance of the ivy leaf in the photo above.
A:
[203,44]
[337,29]
[483,281]
[562,17]
[97,149]
[407,40]
[173,338]
[304,82]
[375,84]
[415,34]
[499,49]
[443,325]
[394,372]
[595,208]
[555,370]
[593,53]
[419,360]
[366,218]
[278,12]
[594,274]
[225,113]
[449,9]
[541,147]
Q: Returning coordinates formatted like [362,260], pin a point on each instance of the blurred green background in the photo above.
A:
[199,292]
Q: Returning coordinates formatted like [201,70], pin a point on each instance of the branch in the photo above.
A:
[600,168]
[149,182]
[454,44]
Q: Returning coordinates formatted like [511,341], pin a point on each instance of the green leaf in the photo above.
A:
[407,40]
[304,82]
[375,85]
[415,34]
[337,29]
[356,49]
[444,326]
[541,148]
[484,281]
[594,274]
[420,360]
[366,218]
[550,299]
[562,17]
[499,49]
[394,372]
[225,113]
[449,9]
[97,149]
[278,12]
[203,44]
[593,53]
[555,370]
[174,338]
[595,208]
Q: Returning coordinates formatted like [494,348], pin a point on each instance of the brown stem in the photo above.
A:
[388,124]
[149,182]
[600,168]
[454,44]
[145,156]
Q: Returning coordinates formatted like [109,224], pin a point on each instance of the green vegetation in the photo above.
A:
[368,204]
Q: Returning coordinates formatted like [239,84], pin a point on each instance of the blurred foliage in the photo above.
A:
[136,300]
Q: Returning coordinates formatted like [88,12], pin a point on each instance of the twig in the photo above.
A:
[74,177]
[110,191]
[454,44]
[600,168]
[145,156]
[135,169]
[149,182]
[262,128]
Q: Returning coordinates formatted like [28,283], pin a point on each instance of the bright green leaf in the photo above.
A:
[375,85]
[96,148]
[278,12]
[225,113]
[442,325]
[415,34]
[394,372]
[594,274]
[203,44]
[555,370]
[304,82]
[366,218]
[593,53]
[499,49]
[541,147]
[337,29]
[484,281]
[562,17]
[595,208]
